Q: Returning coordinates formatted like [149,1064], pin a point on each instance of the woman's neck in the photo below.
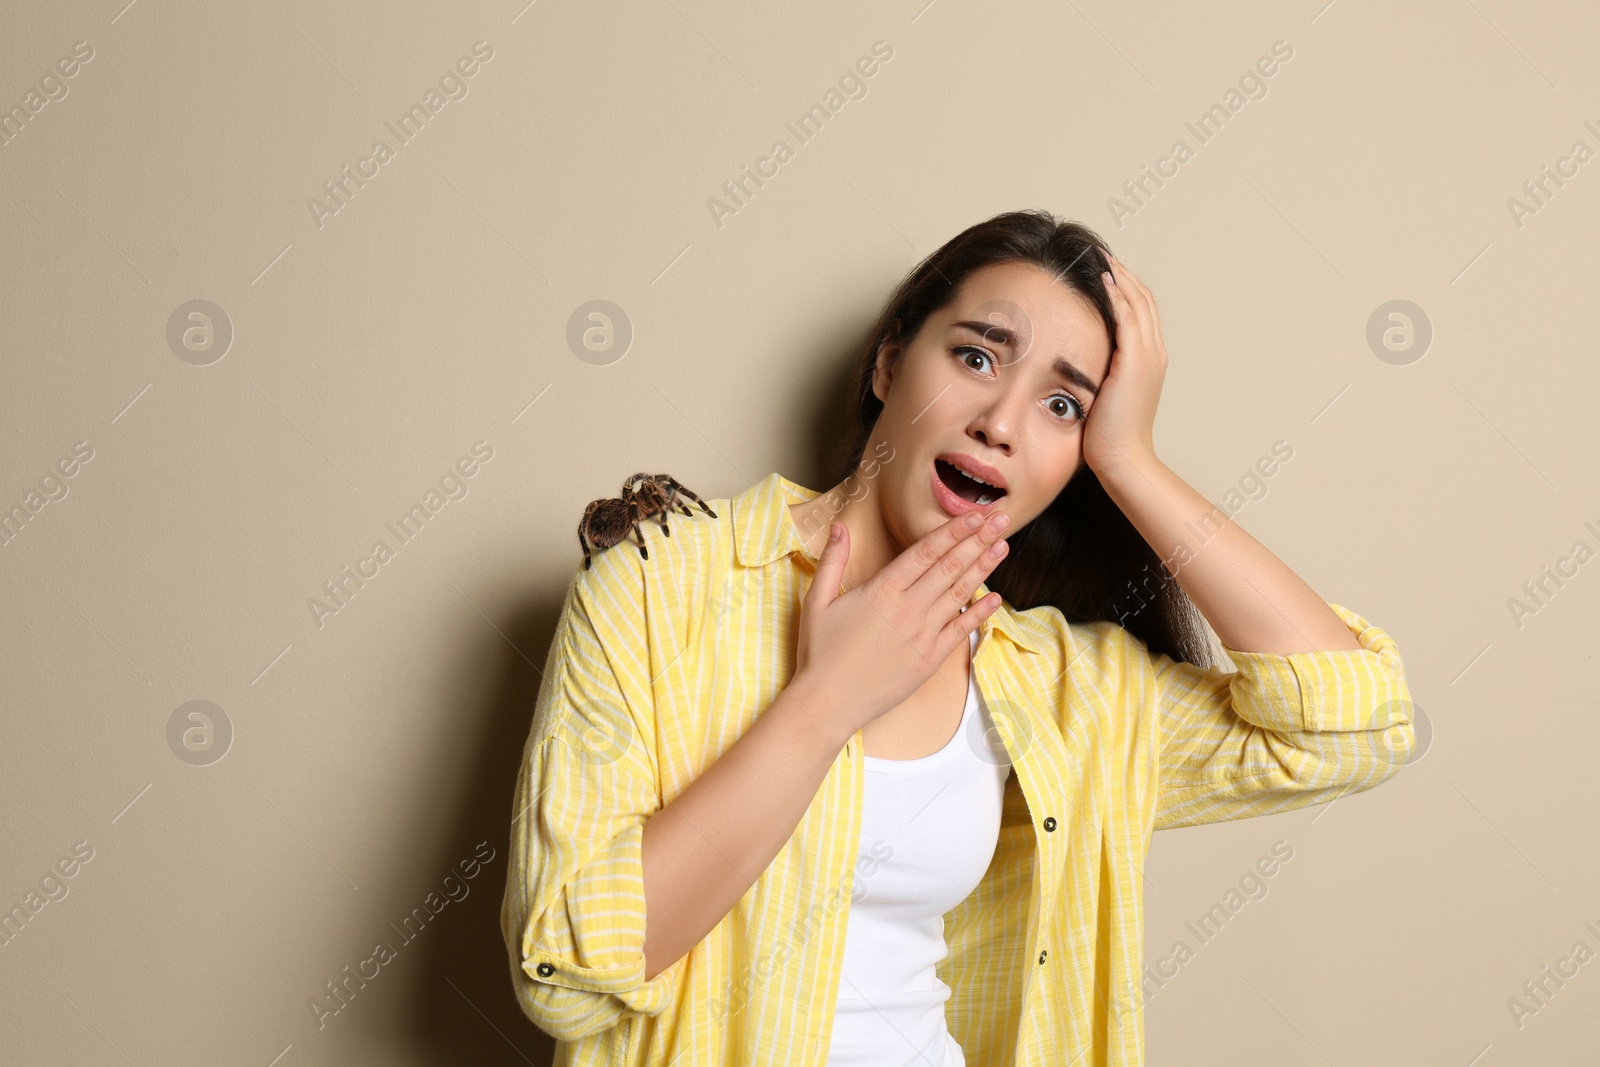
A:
[871,546]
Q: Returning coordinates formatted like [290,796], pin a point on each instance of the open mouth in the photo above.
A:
[965,487]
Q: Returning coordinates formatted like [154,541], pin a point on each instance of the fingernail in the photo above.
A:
[999,521]
[998,549]
[833,531]
[971,520]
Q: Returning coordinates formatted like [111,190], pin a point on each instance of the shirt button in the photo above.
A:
[1049,823]
[1042,954]
[545,970]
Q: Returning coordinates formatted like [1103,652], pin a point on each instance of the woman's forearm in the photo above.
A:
[708,846]
[1250,597]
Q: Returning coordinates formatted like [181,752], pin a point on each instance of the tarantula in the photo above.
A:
[608,521]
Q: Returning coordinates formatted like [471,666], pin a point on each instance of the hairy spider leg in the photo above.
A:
[638,535]
[686,491]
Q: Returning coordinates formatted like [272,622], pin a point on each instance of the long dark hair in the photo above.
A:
[1081,554]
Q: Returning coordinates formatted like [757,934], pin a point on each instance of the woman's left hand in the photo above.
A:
[1120,427]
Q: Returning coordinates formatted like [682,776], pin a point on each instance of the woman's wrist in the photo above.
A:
[817,712]
[1125,463]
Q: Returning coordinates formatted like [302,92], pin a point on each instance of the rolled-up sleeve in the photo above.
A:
[1281,731]
[573,915]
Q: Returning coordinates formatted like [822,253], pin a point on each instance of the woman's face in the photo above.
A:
[1000,381]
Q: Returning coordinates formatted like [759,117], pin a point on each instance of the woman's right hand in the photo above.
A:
[865,651]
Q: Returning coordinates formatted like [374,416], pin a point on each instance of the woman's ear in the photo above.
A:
[883,369]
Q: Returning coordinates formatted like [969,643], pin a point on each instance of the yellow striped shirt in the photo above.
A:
[659,665]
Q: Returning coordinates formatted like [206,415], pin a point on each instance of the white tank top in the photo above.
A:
[929,829]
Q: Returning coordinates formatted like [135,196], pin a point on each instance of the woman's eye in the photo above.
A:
[1074,411]
[967,352]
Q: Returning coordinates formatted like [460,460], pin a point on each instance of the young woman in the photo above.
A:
[868,776]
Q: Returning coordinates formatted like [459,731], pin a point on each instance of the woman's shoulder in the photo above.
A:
[1096,645]
[674,563]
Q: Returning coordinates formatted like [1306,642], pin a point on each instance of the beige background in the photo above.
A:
[372,754]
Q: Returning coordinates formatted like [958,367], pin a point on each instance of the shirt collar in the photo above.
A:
[764,531]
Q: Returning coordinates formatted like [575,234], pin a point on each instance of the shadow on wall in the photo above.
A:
[461,1005]
[826,398]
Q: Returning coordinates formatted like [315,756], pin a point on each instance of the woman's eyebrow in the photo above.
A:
[999,335]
